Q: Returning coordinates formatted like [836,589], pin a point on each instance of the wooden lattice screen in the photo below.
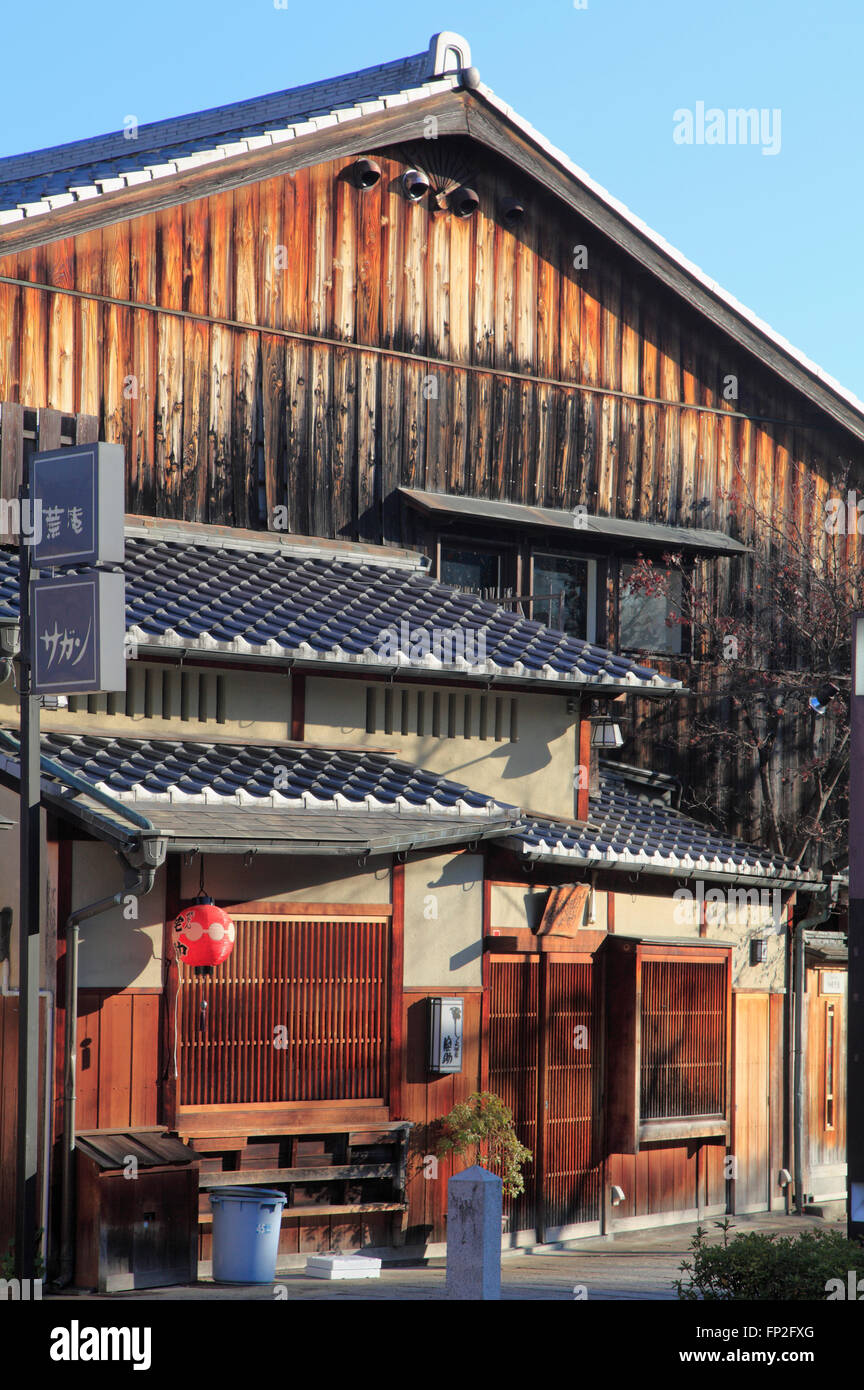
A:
[298,1012]
[541,1064]
[683,1059]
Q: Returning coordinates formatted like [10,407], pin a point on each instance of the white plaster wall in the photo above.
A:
[536,771]
[289,878]
[444,921]
[10,887]
[116,950]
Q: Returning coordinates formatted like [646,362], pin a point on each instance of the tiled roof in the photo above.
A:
[640,830]
[280,775]
[626,830]
[38,182]
[272,603]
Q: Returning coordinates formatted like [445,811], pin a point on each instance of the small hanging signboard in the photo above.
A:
[445,1034]
[77,506]
[78,632]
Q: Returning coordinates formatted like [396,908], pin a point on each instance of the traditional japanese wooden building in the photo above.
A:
[367,345]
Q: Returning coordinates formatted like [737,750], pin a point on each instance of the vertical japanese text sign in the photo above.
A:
[78,621]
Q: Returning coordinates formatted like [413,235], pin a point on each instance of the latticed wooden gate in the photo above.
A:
[543,1031]
[298,1012]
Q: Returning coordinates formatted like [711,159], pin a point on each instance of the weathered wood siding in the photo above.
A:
[297,341]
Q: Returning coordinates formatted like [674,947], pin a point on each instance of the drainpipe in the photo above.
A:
[798,1082]
[138,881]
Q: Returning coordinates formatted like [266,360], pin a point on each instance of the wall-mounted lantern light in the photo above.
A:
[445,1034]
[10,637]
[758,950]
[605,733]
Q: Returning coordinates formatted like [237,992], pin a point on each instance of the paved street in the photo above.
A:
[639,1265]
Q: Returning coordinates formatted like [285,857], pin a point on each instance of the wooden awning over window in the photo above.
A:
[621,533]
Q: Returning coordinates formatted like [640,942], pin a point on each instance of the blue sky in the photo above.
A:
[782,232]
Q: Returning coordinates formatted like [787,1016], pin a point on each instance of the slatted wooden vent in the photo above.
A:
[683,1061]
[298,1012]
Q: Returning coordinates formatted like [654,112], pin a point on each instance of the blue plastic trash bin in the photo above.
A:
[246,1225]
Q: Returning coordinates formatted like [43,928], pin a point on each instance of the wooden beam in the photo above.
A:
[391,127]
[340,1172]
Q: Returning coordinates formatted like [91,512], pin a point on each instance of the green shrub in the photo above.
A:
[761,1267]
[482,1126]
[7,1259]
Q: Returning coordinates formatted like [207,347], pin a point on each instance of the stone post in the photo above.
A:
[474,1200]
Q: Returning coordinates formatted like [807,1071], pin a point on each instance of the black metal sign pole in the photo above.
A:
[29,937]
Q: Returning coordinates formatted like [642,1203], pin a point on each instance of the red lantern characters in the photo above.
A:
[203,935]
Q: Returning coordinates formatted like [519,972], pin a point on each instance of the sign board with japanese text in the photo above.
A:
[78,496]
[78,631]
[445,1034]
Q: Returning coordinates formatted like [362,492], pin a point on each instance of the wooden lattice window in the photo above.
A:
[683,1039]
[667,1041]
[298,1012]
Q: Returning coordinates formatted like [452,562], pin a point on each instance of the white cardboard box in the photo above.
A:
[342,1267]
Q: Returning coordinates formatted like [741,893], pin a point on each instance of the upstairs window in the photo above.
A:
[564,593]
[477,570]
[645,618]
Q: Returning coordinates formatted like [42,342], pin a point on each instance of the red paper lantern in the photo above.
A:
[203,935]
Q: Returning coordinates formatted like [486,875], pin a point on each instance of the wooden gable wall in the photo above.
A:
[395,346]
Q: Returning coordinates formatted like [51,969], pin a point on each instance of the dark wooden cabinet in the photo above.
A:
[137,1221]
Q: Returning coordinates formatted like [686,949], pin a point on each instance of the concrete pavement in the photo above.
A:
[637,1265]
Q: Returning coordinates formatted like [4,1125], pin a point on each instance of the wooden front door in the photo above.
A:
[541,1048]
[751,1108]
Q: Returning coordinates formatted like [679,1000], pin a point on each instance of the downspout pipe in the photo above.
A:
[137,882]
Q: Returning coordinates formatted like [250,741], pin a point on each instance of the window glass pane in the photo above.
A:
[469,569]
[643,616]
[565,580]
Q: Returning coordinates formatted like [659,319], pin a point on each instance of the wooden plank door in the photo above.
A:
[751,1103]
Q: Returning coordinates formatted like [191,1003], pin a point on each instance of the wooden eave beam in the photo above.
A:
[393,126]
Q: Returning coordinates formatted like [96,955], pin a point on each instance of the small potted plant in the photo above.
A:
[482,1127]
